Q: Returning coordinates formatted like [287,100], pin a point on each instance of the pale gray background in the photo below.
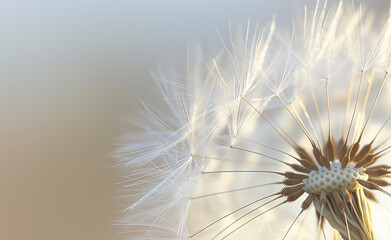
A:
[71,73]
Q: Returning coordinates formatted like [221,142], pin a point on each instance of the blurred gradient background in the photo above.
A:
[71,74]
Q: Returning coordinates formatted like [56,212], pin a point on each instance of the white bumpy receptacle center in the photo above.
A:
[334,178]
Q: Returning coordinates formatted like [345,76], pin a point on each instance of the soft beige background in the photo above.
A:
[71,73]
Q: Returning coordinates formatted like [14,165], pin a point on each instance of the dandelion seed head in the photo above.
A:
[288,128]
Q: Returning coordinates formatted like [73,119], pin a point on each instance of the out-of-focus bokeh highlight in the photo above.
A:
[71,74]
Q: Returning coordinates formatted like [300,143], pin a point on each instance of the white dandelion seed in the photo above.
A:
[280,136]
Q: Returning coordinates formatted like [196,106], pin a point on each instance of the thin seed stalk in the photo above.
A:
[358,214]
